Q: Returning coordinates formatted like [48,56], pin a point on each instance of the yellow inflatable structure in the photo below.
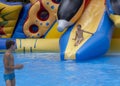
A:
[37,45]
[41,17]
[116,20]
[8,18]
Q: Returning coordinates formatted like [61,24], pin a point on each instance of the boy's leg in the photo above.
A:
[81,39]
[78,41]
[13,82]
[8,83]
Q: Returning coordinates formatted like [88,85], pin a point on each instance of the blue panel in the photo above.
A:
[2,0]
[109,7]
[63,41]
[11,3]
[2,43]
[19,28]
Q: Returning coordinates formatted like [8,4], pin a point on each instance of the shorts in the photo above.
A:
[9,76]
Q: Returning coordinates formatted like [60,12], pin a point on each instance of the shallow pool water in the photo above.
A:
[46,69]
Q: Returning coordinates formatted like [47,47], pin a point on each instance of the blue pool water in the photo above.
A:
[46,69]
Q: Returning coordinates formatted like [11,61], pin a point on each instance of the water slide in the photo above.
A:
[95,20]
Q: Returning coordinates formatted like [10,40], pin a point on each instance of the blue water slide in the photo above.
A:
[96,46]
[109,7]
[2,0]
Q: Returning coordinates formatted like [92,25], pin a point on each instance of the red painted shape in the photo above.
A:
[87,2]
[2,27]
[31,29]
[1,30]
[42,14]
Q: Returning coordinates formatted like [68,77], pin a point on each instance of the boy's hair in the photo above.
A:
[9,43]
[79,25]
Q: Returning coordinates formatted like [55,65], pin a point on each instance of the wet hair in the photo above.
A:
[9,43]
[79,25]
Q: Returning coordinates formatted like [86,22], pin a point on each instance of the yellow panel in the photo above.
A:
[89,21]
[18,43]
[115,45]
[37,45]
[116,20]
[54,33]
[1,19]
[116,33]
[13,11]
[11,23]
[25,44]
[8,29]
[6,36]
[47,45]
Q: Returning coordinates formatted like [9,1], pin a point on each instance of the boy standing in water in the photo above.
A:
[79,35]
[9,66]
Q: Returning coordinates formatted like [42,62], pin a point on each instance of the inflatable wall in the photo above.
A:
[50,26]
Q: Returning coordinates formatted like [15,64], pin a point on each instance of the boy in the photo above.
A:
[9,66]
[79,35]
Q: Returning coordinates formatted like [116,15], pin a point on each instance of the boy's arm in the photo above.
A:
[87,32]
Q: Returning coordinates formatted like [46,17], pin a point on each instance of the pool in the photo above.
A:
[46,69]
